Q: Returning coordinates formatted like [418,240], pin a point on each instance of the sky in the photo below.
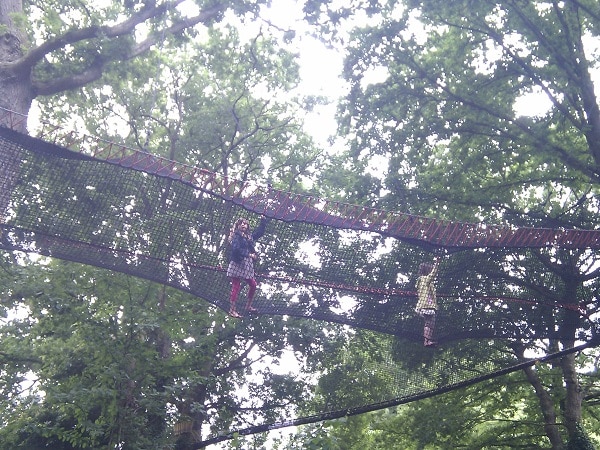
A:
[320,67]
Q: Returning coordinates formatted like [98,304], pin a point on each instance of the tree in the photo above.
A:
[55,47]
[58,51]
[118,361]
[435,92]
[98,362]
[579,440]
[52,47]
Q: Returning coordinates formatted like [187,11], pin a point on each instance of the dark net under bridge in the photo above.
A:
[83,199]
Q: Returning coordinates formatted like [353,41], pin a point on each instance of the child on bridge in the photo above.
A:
[241,266]
[427,302]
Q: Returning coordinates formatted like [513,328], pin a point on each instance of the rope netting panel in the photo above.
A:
[95,202]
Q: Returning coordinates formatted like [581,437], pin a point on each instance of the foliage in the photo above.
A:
[499,413]
[580,440]
[98,35]
[211,103]
[86,358]
[103,360]
[115,361]
[435,126]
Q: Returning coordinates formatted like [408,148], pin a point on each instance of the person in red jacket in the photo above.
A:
[241,266]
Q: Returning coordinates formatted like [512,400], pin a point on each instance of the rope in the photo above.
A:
[332,415]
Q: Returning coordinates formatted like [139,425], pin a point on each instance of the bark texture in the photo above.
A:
[16,92]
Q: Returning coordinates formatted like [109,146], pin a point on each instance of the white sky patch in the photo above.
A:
[374,75]
[347,304]
[320,69]
[533,104]
[320,74]
[377,166]
[288,364]
[321,124]
[308,251]
[386,247]
[17,313]
[347,237]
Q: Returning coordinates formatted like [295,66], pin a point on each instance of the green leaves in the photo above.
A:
[446,124]
[444,117]
[580,440]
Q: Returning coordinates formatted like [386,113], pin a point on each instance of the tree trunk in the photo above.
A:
[16,95]
[571,406]
[547,407]
[16,92]
[573,398]
[573,395]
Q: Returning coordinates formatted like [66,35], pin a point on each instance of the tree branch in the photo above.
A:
[96,69]
[235,363]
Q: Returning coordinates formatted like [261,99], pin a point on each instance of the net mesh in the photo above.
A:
[95,202]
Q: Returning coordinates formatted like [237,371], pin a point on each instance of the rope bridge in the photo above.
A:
[81,199]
